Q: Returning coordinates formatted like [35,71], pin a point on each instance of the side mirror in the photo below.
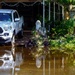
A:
[17,19]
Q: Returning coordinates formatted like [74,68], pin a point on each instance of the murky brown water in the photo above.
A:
[35,61]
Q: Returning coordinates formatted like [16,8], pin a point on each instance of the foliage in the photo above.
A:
[63,43]
[66,2]
[62,28]
[63,1]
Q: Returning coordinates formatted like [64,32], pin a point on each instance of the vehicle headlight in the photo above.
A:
[10,27]
[7,28]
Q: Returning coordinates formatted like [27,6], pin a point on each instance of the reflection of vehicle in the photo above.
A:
[10,24]
[6,60]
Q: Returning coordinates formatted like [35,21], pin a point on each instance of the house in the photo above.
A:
[32,9]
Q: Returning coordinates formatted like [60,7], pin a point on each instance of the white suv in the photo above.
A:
[10,24]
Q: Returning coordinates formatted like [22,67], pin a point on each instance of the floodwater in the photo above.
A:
[35,61]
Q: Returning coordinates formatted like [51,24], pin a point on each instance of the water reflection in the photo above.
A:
[37,60]
[54,62]
[9,62]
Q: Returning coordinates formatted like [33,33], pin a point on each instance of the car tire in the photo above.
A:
[20,34]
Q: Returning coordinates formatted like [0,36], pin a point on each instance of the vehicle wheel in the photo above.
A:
[20,35]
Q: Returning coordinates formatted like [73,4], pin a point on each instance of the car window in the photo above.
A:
[5,17]
[15,15]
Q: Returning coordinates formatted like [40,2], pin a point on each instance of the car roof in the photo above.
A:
[7,10]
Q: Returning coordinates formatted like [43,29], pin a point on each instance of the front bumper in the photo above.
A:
[5,36]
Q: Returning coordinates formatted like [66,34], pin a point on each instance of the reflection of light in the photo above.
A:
[36,55]
[37,36]
[38,63]
[54,66]
[49,67]
[13,45]
[43,65]
[39,42]
[74,16]
[67,17]
[18,59]
[62,62]
[39,49]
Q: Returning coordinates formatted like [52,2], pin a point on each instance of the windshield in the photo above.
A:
[5,17]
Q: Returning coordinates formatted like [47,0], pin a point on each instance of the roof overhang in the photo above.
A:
[21,0]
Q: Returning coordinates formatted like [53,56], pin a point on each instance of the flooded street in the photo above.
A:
[31,61]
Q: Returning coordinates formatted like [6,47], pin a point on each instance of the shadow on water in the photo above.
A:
[35,60]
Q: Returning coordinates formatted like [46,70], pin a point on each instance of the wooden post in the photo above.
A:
[43,13]
[49,11]
[63,12]
[54,13]
[49,15]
